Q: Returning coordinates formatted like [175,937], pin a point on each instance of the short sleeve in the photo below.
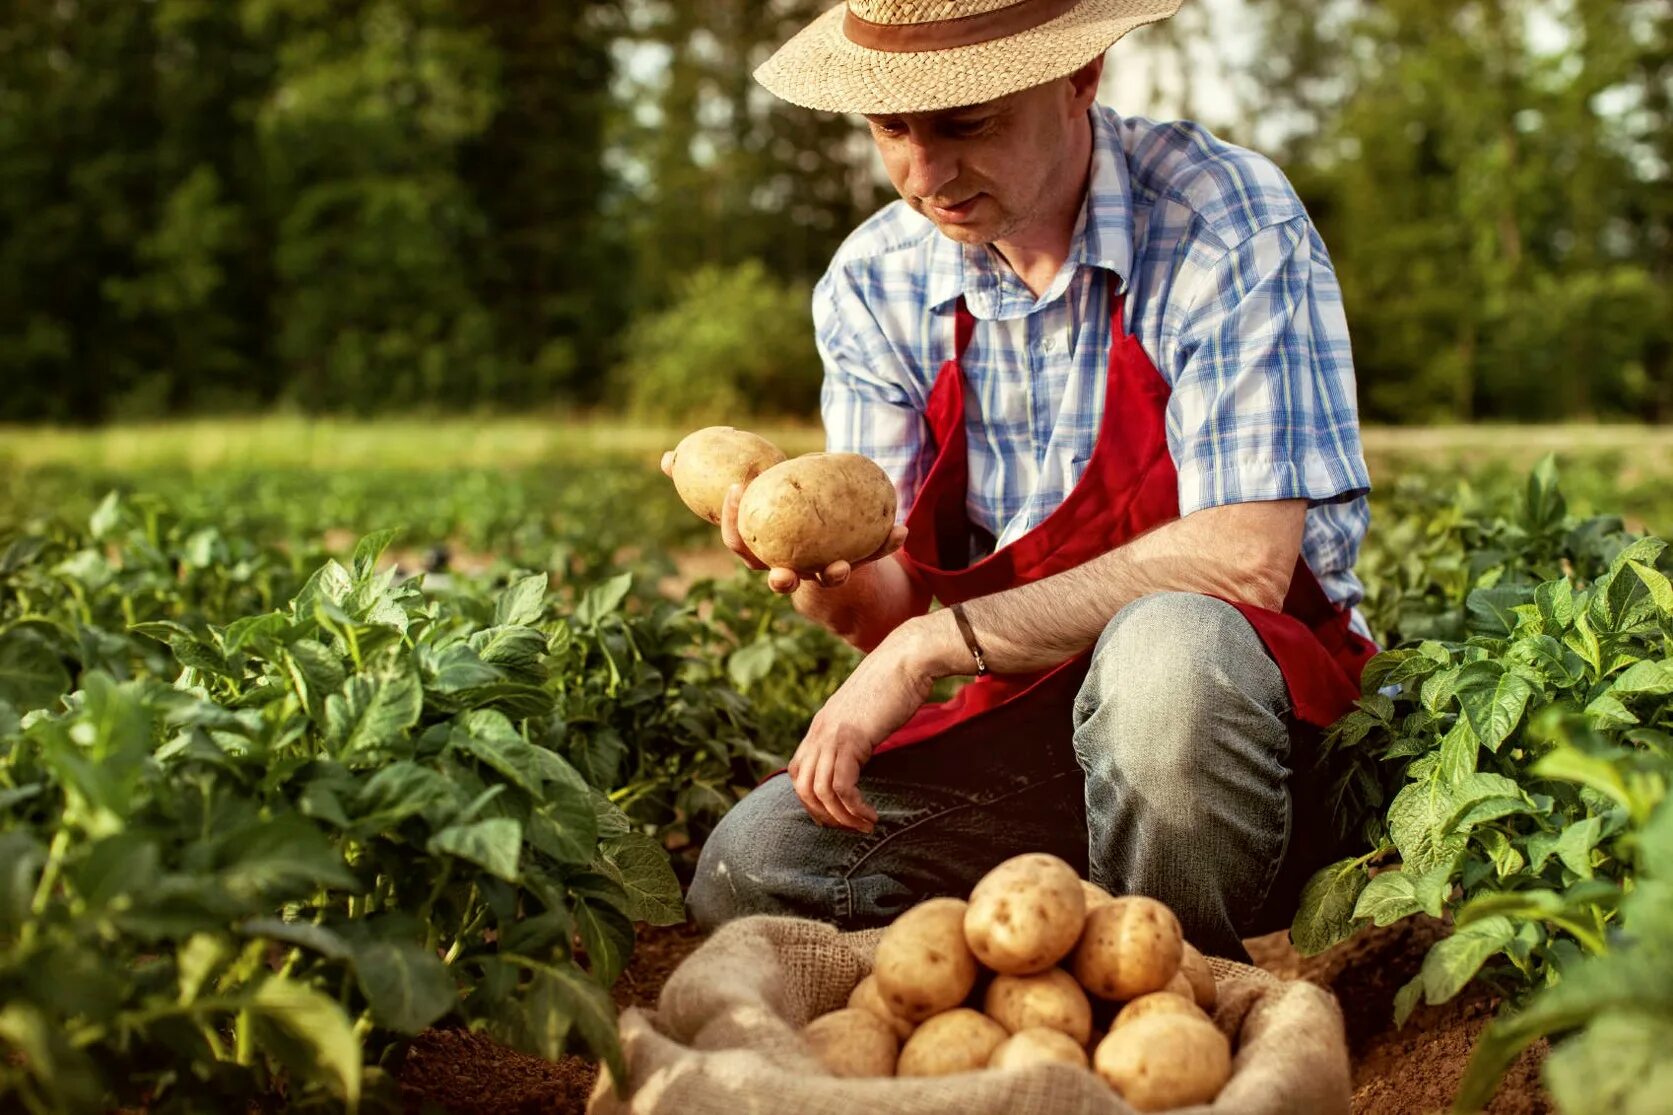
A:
[1264,401]
[866,400]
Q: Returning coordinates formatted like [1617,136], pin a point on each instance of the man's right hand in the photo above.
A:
[781,579]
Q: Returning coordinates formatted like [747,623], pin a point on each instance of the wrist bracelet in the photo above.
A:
[970,639]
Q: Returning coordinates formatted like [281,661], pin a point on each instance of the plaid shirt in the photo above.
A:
[1229,290]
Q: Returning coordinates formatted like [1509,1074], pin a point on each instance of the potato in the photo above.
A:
[711,460]
[1157,1002]
[1180,983]
[1129,948]
[1164,1061]
[960,1040]
[815,509]
[853,1042]
[1026,914]
[923,965]
[1037,1046]
[1051,1000]
[1195,967]
[1095,895]
[866,996]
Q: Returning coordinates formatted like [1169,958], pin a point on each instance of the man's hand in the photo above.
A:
[779,579]
[879,696]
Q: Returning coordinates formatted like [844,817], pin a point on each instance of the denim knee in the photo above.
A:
[766,856]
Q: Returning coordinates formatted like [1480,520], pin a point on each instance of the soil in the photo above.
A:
[1410,1071]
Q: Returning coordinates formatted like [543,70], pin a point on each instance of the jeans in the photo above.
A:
[1179,782]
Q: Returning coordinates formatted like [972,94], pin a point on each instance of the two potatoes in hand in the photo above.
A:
[808,514]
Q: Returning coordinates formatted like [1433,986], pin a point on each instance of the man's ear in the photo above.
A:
[1083,84]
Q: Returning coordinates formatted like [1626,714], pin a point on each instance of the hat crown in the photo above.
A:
[906,12]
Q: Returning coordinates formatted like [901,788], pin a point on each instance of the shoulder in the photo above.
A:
[1202,184]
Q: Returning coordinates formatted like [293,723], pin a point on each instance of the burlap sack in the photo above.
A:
[723,1041]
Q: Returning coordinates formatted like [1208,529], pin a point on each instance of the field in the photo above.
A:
[290,826]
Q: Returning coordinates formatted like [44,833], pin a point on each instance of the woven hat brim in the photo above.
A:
[821,69]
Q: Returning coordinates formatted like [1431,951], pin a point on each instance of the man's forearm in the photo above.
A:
[876,599]
[1244,553]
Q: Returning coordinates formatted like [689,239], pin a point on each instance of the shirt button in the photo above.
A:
[1049,344]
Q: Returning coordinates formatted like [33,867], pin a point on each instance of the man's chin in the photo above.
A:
[965,232]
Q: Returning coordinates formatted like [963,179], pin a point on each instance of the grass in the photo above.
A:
[298,443]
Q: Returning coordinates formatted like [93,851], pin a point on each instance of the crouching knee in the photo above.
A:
[765,857]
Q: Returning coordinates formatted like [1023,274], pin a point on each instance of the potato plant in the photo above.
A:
[260,824]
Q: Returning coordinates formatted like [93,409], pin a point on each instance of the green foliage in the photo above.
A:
[264,814]
[1512,756]
[735,341]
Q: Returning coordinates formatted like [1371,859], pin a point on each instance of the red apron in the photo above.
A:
[1129,486]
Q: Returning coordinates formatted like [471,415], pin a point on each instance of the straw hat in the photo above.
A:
[889,56]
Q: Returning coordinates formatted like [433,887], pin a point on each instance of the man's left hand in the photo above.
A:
[879,696]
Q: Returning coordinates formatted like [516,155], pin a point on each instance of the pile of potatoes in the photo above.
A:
[1018,975]
[802,513]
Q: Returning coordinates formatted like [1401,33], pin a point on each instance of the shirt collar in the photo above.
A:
[1103,238]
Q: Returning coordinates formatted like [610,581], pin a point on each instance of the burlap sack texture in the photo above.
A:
[724,1041]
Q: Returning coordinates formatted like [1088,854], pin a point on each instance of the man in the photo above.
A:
[1105,363]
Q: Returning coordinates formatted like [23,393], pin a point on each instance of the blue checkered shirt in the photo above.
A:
[1228,288]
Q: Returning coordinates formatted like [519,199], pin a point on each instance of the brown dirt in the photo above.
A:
[1411,1071]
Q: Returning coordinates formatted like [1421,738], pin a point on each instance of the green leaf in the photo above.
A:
[562,997]
[308,1033]
[490,737]
[315,672]
[523,603]
[493,845]
[1507,860]
[31,674]
[1494,700]
[196,960]
[408,987]
[1660,588]
[514,650]
[21,860]
[1407,998]
[369,549]
[1392,895]
[372,712]
[300,934]
[641,867]
[751,664]
[1491,611]
[286,857]
[1555,600]
[1620,1064]
[1325,915]
[1649,678]
[1570,764]
[398,791]
[1575,843]
[607,937]
[1460,748]
[1420,821]
[603,599]
[1453,961]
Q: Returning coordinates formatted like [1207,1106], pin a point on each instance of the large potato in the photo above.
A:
[1195,967]
[1026,914]
[815,509]
[960,1040]
[923,965]
[1052,1000]
[866,996]
[1095,895]
[711,460]
[1037,1046]
[1165,1061]
[1157,1002]
[853,1042]
[1129,948]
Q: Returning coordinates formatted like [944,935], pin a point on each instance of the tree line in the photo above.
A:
[362,206]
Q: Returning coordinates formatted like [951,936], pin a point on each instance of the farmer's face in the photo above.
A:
[990,171]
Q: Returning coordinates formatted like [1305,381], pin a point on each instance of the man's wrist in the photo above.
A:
[934,648]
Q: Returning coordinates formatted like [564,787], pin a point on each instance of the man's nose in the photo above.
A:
[930,166]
